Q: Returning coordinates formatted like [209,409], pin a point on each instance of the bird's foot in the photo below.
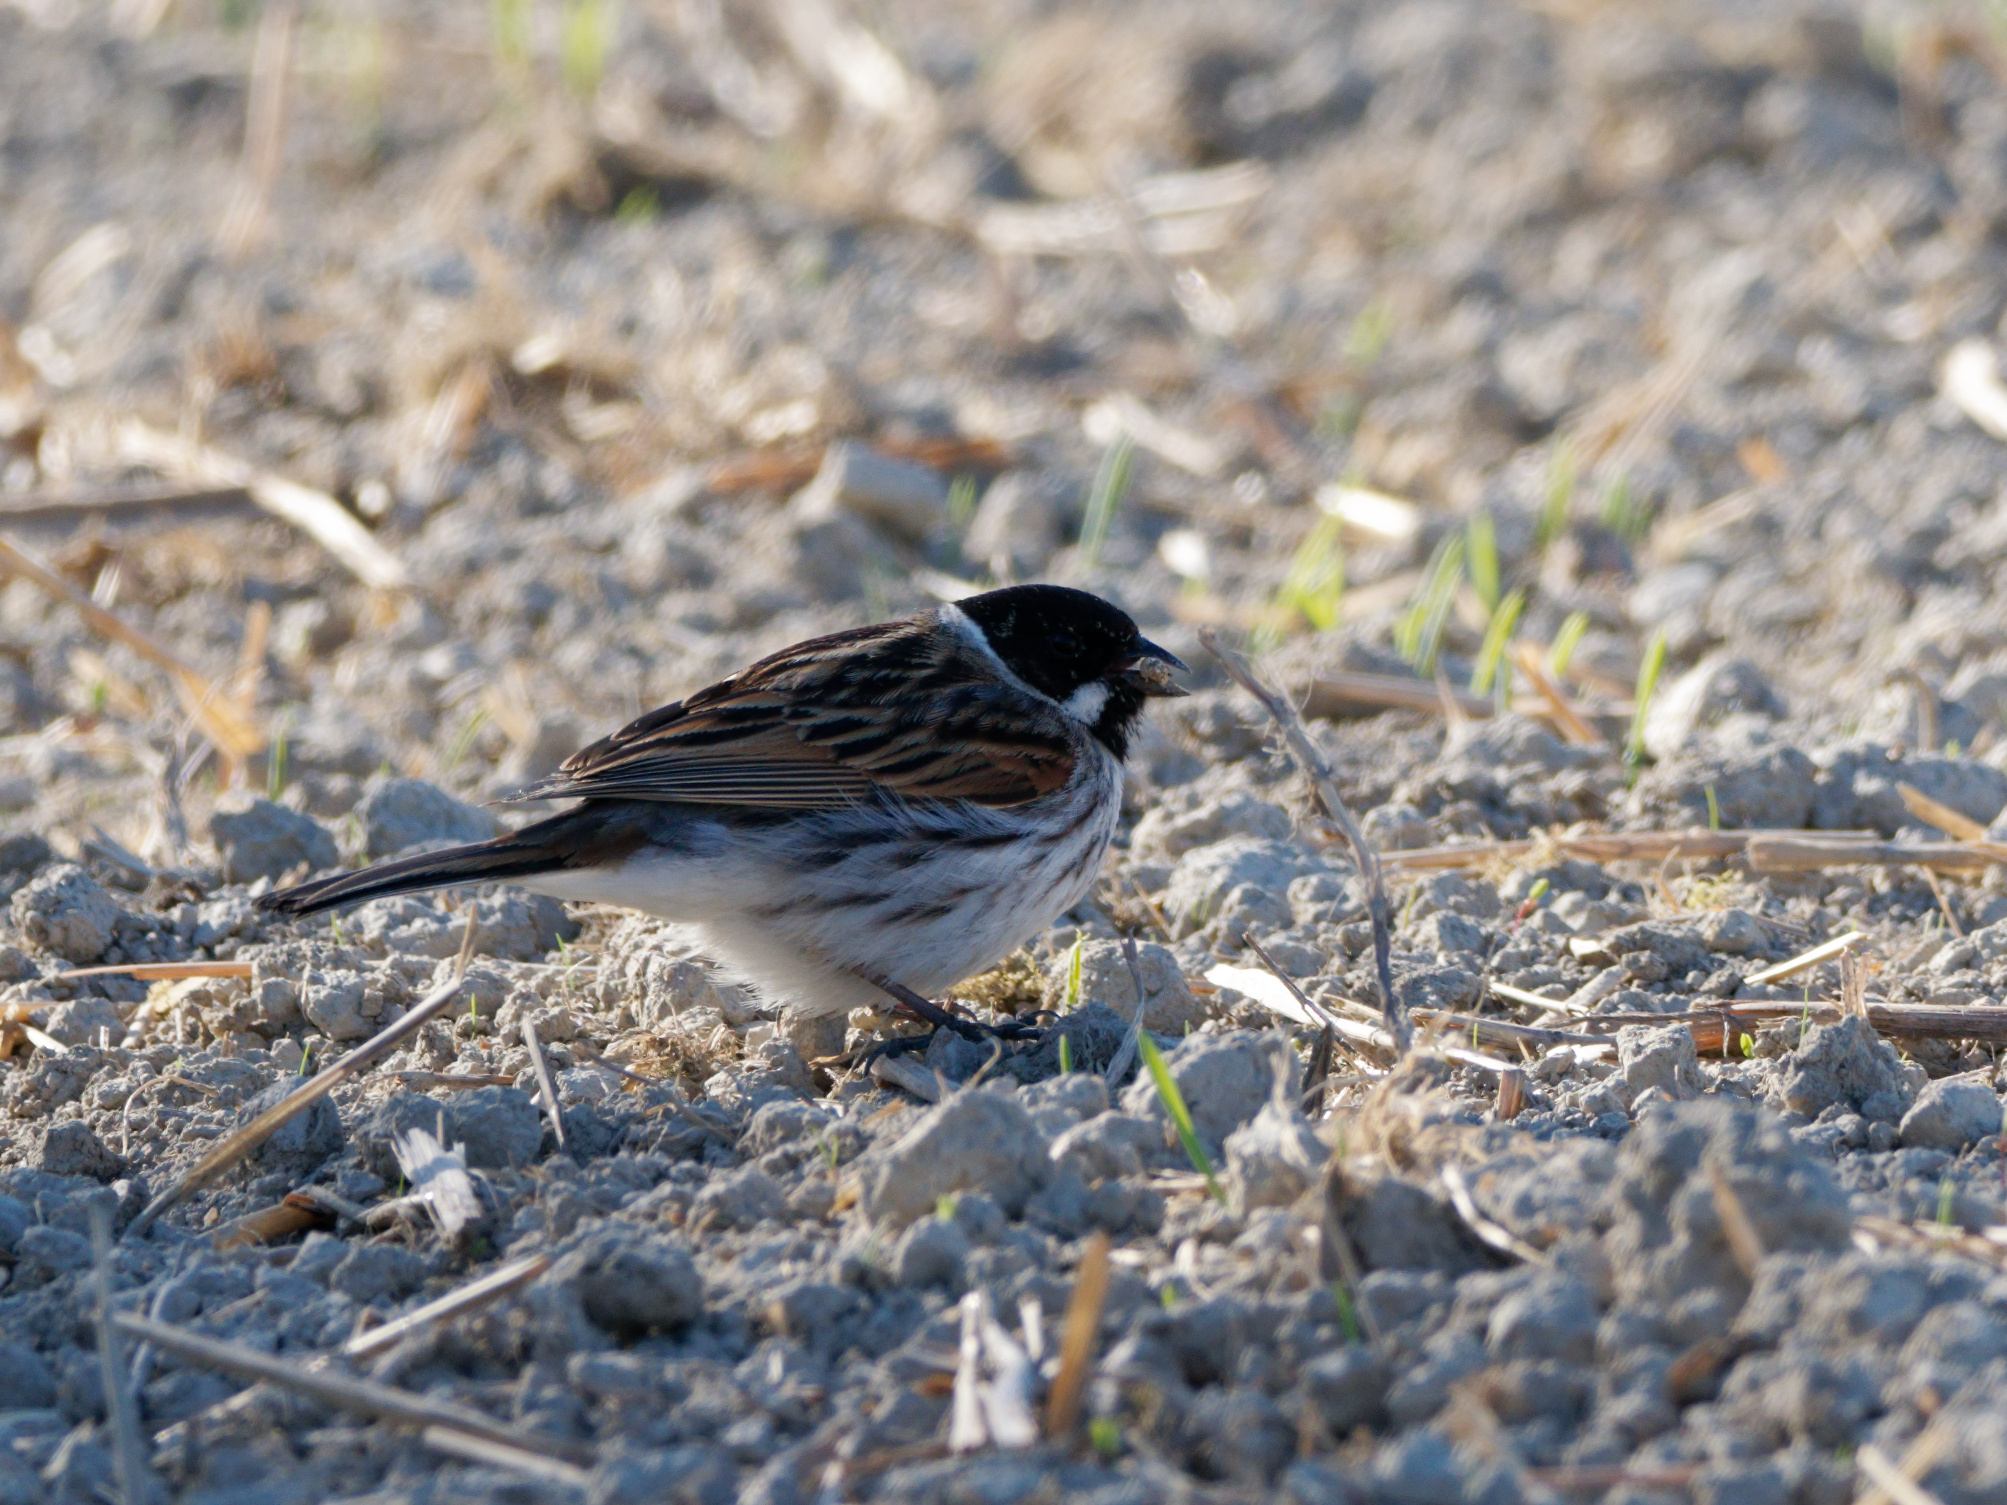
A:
[940,1018]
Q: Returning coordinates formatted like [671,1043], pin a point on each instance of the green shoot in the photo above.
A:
[1104,1436]
[1947,1201]
[1167,1296]
[1748,1047]
[585,36]
[1174,1104]
[638,206]
[306,1055]
[1713,808]
[945,1205]
[509,37]
[1497,638]
[1065,1054]
[1348,1314]
[1649,670]
[961,503]
[334,928]
[1367,339]
[1566,641]
[1073,957]
[1338,417]
[463,740]
[1481,547]
[1560,502]
[830,1149]
[1315,583]
[1623,513]
[1418,635]
[1111,482]
[275,766]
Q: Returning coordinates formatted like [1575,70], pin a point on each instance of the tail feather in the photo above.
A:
[483,861]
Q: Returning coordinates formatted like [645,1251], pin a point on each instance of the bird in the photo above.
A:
[890,809]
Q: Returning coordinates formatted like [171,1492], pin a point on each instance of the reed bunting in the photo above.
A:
[894,808]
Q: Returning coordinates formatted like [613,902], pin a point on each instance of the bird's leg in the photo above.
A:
[940,1018]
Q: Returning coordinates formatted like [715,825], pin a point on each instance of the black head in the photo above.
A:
[1077,649]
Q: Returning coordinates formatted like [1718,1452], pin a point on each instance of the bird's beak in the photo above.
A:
[1151,667]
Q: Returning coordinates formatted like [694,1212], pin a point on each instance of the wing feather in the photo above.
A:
[905,708]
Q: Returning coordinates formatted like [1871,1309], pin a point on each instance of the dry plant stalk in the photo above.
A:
[294,1214]
[1805,961]
[518,1460]
[218,716]
[1767,851]
[1889,1479]
[345,1392]
[497,1283]
[454,1081]
[1497,1235]
[1364,854]
[1958,826]
[314,513]
[1854,985]
[1743,1240]
[1077,1333]
[546,1088]
[264,129]
[129,1455]
[233,1148]
[1511,1101]
[1532,662]
[158,971]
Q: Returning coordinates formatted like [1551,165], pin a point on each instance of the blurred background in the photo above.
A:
[428,387]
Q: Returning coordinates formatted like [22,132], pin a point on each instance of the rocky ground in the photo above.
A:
[1645,352]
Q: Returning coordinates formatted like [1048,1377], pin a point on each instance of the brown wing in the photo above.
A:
[904,707]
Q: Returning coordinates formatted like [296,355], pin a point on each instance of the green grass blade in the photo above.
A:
[1111,483]
[1497,638]
[1481,548]
[1181,1116]
[1653,665]
[1566,641]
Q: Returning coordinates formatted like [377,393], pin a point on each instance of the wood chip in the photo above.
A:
[908,1075]
[438,1179]
[1970,378]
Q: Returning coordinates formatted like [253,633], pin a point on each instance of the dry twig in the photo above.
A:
[314,513]
[1364,854]
[1076,1338]
[546,1088]
[345,1392]
[497,1283]
[236,1146]
[216,713]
